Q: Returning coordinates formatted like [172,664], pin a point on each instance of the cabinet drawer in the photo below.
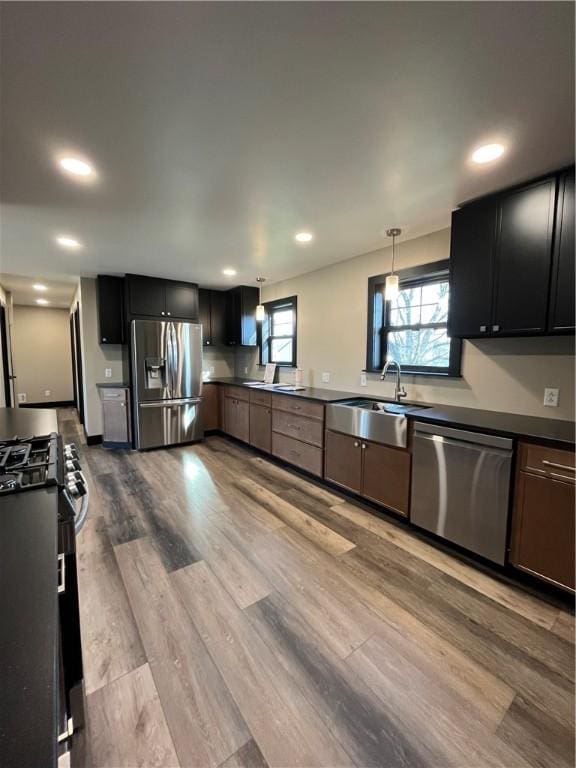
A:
[298,427]
[298,406]
[113,394]
[302,455]
[260,398]
[240,393]
[551,462]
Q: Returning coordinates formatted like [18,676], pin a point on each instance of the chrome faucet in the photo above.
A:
[399,391]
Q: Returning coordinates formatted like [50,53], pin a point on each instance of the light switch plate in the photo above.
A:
[212,369]
[21,397]
[108,373]
[326,377]
[47,393]
[551,397]
[363,381]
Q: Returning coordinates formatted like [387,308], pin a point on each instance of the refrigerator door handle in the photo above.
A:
[171,403]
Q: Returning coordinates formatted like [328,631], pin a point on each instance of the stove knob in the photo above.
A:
[72,465]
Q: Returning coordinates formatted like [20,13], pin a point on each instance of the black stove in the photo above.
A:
[28,462]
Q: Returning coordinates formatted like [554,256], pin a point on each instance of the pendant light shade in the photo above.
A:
[392,286]
[260,311]
[391,289]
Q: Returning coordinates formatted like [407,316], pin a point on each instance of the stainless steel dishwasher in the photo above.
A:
[461,487]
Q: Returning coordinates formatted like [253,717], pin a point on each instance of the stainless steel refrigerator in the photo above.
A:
[166,382]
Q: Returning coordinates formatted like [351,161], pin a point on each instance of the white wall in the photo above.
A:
[497,374]
[41,354]
[95,357]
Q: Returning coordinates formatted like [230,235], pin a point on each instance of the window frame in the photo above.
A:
[265,342]
[378,328]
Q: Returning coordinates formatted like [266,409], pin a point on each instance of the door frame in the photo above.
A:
[77,355]
[6,357]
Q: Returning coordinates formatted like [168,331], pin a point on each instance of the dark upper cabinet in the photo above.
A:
[523,259]
[110,309]
[511,272]
[471,269]
[154,297]
[181,299]
[562,309]
[211,315]
[240,320]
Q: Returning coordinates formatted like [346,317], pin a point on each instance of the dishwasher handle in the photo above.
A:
[444,434]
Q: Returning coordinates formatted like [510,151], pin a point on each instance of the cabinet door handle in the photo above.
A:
[561,477]
[483,328]
[364,446]
[558,466]
[168,313]
[495,327]
[61,574]
[294,426]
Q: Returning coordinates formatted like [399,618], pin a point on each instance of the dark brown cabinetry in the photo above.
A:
[153,297]
[261,427]
[543,517]
[379,473]
[110,309]
[212,315]
[240,319]
[504,254]
[562,289]
[211,406]
[237,413]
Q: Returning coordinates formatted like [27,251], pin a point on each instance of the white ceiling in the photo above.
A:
[58,293]
[219,130]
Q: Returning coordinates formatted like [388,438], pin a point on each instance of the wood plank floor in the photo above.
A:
[235,614]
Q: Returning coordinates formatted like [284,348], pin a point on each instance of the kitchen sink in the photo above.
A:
[380,421]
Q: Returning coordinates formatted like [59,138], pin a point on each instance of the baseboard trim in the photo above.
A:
[56,404]
[93,439]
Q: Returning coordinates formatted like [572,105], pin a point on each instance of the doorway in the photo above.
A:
[77,363]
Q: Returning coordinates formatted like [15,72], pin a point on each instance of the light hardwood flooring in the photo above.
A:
[235,614]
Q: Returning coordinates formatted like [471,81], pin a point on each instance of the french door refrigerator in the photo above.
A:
[166,382]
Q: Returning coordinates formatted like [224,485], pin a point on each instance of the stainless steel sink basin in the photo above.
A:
[381,422]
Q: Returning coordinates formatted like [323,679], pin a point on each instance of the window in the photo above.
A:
[412,329]
[278,333]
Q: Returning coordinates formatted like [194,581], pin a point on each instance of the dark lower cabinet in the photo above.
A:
[375,471]
[110,309]
[523,259]
[562,308]
[543,530]
[261,427]
[237,418]
[386,476]
[210,406]
[512,261]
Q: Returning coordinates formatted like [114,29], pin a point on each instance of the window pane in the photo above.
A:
[281,351]
[426,347]
[435,303]
[282,323]
[405,309]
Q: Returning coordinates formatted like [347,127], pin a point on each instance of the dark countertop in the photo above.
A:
[112,385]
[29,629]
[553,431]
[26,422]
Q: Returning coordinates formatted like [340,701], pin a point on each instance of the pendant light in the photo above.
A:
[260,311]
[391,289]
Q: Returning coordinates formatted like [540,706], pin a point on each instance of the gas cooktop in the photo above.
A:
[28,462]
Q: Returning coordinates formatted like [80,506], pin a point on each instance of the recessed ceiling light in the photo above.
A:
[76,166]
[487,153]
[68,242]
[229,272]
[42,301]
[39,287]
[304,237]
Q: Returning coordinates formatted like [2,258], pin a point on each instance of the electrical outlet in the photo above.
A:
[363,381]
[212,369]
[21,397]
[108,373]
[47,393]
[245,370]
[551,396]
[326,377]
